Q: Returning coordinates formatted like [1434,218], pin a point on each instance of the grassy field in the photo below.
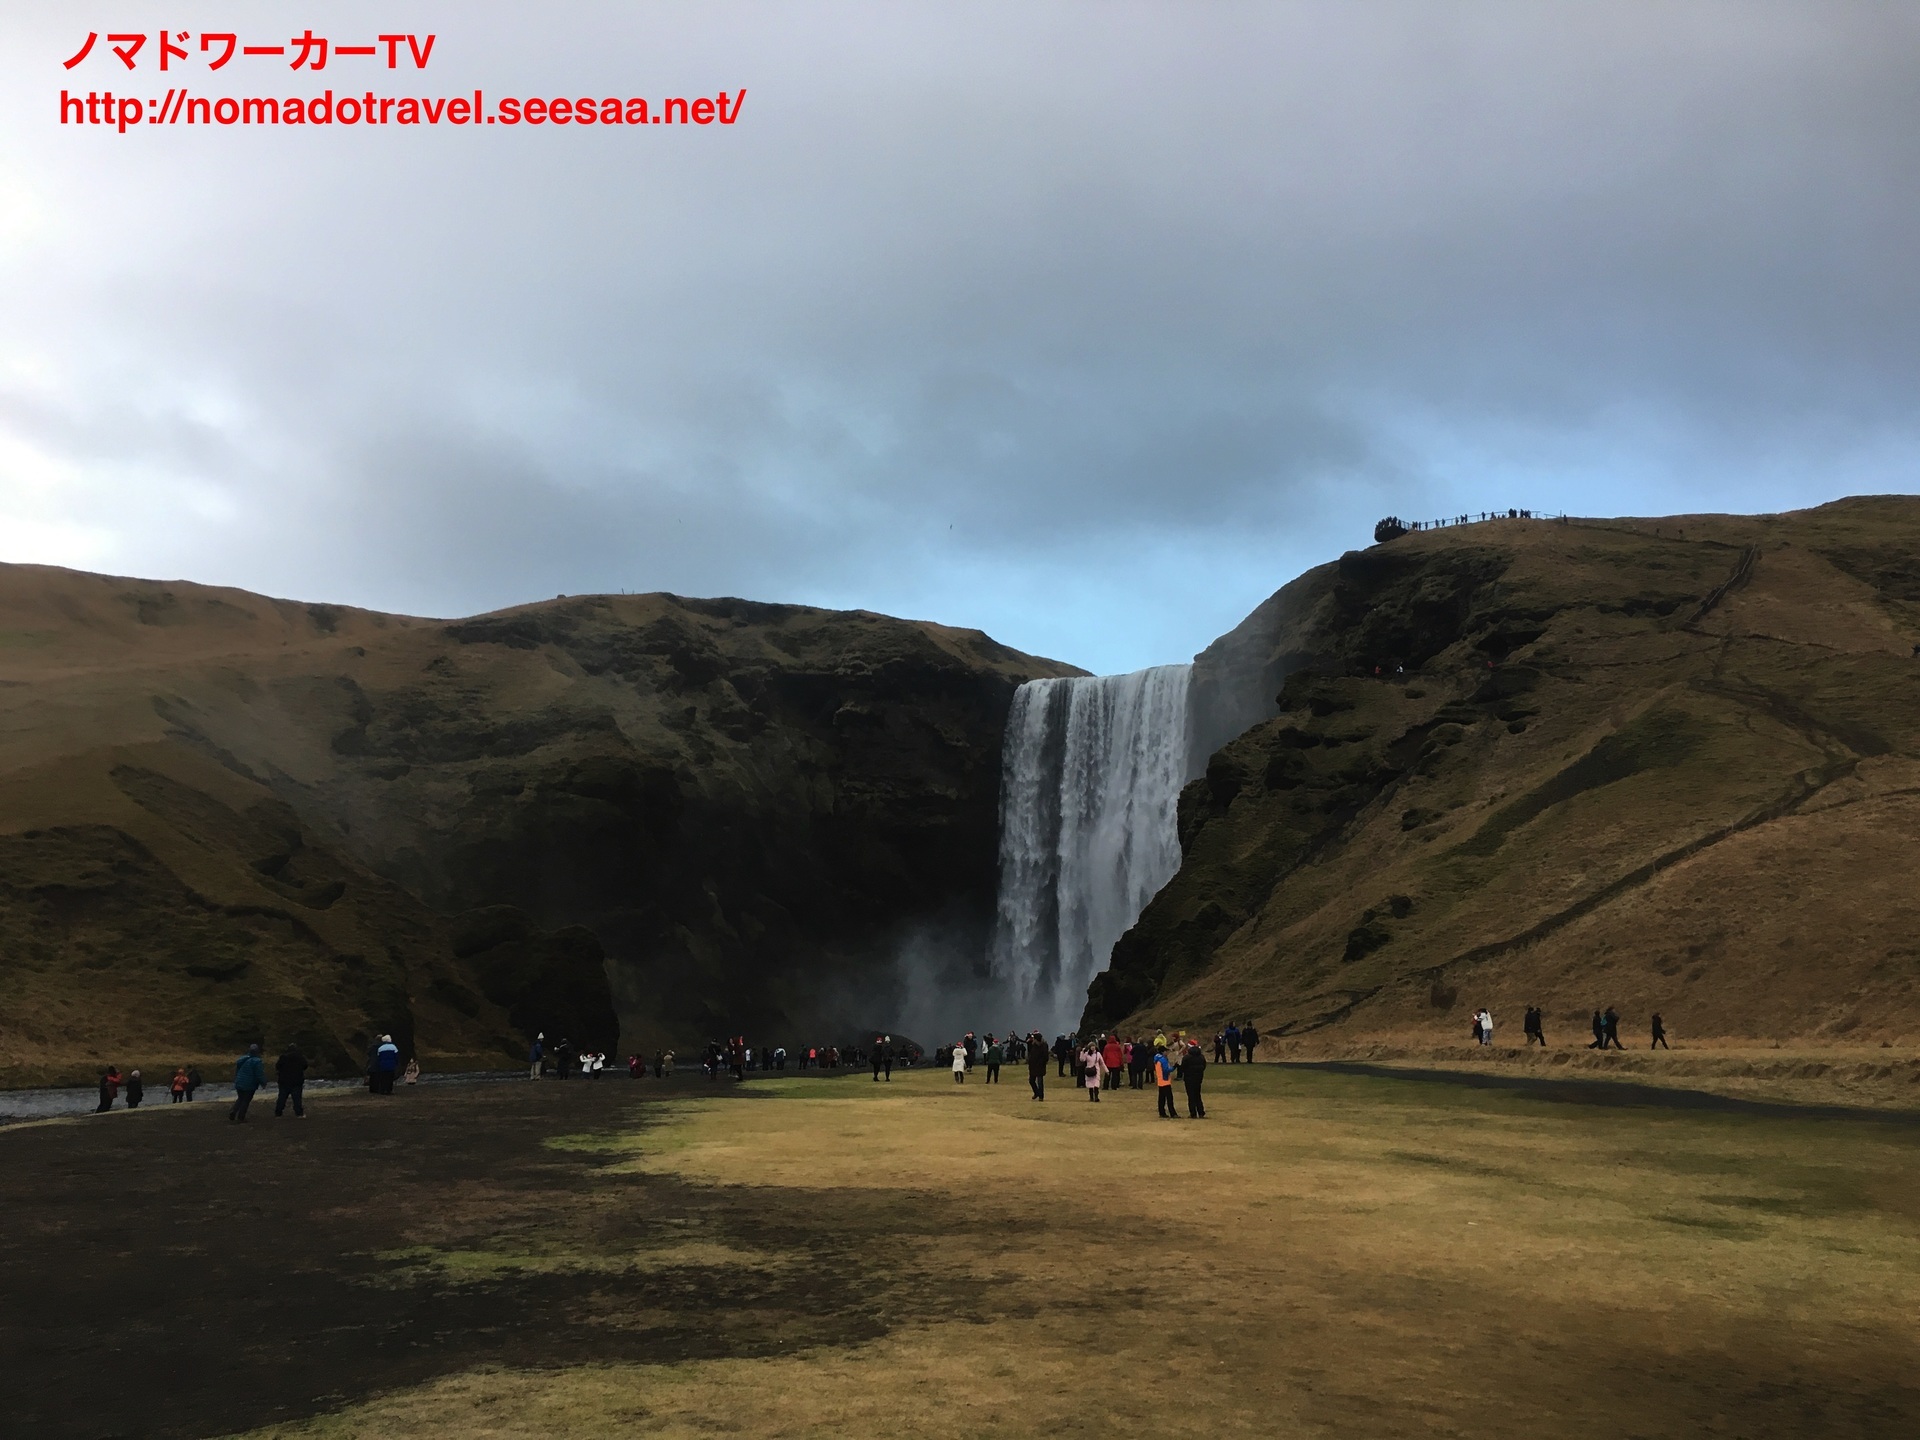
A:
[1322,1256]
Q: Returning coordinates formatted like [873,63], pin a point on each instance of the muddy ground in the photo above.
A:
[170,1274]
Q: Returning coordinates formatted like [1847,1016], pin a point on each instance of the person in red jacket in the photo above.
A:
[1113,1057]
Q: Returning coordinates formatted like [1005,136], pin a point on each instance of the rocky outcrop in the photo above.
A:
[1665,765]
[705,816]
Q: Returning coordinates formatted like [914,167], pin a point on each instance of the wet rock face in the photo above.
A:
[623,819]
[1532,762]
[746,805]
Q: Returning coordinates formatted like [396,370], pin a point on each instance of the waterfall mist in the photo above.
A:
[1090,782]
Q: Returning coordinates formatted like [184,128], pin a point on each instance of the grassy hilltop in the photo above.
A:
[223,815]
[1669,765]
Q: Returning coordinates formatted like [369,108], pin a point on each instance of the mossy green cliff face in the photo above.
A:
[635,819]
[1663,765]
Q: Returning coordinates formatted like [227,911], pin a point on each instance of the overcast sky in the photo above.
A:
[1086,324]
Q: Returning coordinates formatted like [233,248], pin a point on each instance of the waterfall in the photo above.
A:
[1090,780]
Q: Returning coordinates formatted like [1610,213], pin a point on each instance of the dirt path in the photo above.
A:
[1571,1090]
[171,1274]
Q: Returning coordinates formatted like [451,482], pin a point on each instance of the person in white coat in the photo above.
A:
[959,1064]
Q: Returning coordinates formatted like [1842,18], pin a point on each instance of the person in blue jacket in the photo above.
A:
[248,1076]
[386,1060]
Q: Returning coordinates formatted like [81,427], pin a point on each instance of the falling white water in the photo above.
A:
[1090,784]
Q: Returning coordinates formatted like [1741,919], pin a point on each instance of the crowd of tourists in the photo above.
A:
[734,1057]
[383,1068]
[1096,1063]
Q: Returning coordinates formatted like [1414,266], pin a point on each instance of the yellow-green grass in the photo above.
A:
[1323,1255]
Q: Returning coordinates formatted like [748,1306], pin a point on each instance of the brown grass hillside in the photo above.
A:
[224,816]
[1665,765]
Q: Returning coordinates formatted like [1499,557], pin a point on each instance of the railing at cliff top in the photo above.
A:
[1393,527]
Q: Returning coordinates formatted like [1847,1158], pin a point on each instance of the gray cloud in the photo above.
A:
[1089,324]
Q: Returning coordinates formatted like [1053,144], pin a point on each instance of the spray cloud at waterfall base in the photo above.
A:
[1089,796]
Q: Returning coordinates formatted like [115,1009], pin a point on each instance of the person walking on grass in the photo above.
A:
[109,1089]
[1599,1033]
[1193,1070]
[959,1065]
[995,1056]
[535,1052]
[1037,1058]
[883,1059]
[1659,1034]
[1062,1052]
[136,1090]
[1233,1042]
[1610,1029]
[1112,1057]
[1534,1026]
[1249,1037]
[1096,1071]
[248,1076]
[290,1074]
[1486,1026]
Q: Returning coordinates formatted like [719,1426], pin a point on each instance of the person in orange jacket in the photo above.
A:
[1163,1082]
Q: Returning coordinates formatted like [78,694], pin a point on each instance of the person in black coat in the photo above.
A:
[290,1073]
[1037,1066]
[1193,1069]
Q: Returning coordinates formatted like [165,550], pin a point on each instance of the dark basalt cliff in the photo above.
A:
[1667,765]
[226,815]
